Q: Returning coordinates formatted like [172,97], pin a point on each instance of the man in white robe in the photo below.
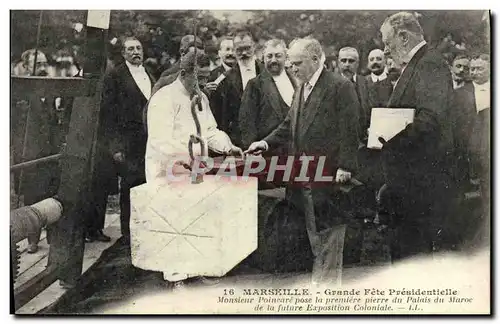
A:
[170,124]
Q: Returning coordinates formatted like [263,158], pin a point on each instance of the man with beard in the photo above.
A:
[41,182]
[268,97]
[321,122]
[416,160]
[460,71]
[379,87]
[226,100]
[121,137]
[348,67]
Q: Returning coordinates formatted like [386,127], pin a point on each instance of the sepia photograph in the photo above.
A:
[250,162]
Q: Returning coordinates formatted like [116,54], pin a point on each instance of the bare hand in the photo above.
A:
[211,86]
[342,176]
[119,157]
[256,148]
[236,151]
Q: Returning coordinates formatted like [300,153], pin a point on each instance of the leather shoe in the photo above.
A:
[101,237]
[96,236]
[33,248]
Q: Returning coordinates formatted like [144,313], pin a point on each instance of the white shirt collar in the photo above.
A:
[281,75]
[251,66]
[134,68]
[314,79]
[484,86]
[376,78]
[414,50]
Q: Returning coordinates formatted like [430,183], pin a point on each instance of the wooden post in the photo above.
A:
[67,239]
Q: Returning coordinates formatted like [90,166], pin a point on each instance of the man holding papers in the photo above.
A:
[415,159]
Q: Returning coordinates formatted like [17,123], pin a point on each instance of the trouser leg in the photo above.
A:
[125,209]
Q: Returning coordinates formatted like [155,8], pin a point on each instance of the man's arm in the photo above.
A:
[282,134]
[217,140]
[249,112]
[432,91]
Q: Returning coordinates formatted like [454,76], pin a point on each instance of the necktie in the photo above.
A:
[307,90]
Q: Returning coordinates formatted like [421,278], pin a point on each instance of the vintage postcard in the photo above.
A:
[323,162]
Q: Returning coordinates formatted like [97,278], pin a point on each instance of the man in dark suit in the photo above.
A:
[321,122]
[416,160]
[268,97]
[471,135]
[348,67]
[226,100]
[379,86]
[168,76]
[227,58]
[121,137]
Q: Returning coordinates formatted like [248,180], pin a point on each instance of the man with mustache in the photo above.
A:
[393,71]
[228,60]
[376,65]
[321,122]
[268,97]
[40,182]
[121,137]
[417,160]
[348,67]
[460,71]
[471,138]
[226,100]
[379,87]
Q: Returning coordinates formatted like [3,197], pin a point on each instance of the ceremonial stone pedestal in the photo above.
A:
[201,229]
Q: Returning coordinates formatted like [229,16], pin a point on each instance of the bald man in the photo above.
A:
[321,122]
[379,86]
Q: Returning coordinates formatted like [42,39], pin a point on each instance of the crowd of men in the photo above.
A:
[291,102]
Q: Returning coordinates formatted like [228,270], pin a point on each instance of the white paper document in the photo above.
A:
[386,123]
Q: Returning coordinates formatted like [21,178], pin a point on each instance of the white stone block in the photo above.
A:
[194,229]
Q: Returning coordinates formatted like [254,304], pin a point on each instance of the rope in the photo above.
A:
[195,139]
[38,32]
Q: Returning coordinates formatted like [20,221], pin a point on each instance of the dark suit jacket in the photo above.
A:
[216,73]
[226,100]
[471,130]
[378,92]
[361,87]
[325,125]
[417,158]
[262,108]
[121,126]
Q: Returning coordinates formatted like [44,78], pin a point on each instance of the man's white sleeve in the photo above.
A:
[218,141]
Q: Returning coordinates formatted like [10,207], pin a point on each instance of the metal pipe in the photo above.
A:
[31,219]
[35,162]
[38,32]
